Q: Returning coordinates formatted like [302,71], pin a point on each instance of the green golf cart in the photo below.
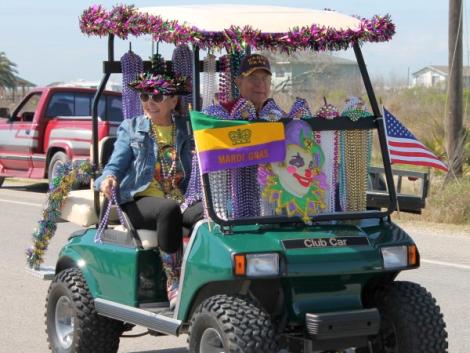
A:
[322,280]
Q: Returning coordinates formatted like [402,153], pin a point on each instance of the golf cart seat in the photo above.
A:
[148,238]
[78,207]
[411,187]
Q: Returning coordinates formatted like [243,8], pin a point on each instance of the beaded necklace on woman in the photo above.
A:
[168,169]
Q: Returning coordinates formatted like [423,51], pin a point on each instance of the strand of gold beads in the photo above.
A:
[357,152]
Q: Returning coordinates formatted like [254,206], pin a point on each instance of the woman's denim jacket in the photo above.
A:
[134,157]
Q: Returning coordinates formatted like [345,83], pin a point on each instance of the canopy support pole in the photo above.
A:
[94,117]
[380,127]
[196,79]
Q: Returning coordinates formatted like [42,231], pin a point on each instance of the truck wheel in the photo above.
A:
[411,321]
[72,324]
[2,179]
[226,324]
[57,160]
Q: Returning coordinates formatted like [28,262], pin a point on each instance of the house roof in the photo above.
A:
[22,82]
[440,69]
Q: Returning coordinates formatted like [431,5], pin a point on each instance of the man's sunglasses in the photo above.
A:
[157,98]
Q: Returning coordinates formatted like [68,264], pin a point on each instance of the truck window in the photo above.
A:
[109,107]
[102,108]
[61,104]
[80,104]
[114,105]
[83,104]
[26,112]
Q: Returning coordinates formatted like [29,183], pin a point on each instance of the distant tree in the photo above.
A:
[7,72]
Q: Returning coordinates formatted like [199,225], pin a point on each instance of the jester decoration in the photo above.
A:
[296,186]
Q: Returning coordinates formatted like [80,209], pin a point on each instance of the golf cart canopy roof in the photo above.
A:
[268,19]
[236,27]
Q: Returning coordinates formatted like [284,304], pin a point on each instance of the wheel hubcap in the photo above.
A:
[211,342]
[64,321]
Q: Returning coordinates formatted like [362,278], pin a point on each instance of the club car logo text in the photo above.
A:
[335,242]
[322,243]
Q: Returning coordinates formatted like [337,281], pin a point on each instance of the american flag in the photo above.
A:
[404,148]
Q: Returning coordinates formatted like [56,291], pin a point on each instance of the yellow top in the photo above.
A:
[164,136]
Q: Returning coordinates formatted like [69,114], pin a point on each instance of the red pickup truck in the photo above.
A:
[52,125]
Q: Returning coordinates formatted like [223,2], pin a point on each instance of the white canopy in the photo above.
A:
[268,19]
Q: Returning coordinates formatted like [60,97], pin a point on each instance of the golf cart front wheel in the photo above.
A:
[227,324]
[72,324]
[411,321]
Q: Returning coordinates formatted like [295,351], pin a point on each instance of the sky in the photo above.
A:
[43,37]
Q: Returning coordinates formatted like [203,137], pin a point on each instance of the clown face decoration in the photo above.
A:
[296,186]
[297,171]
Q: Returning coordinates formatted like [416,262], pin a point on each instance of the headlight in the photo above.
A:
[256,264]
[395,256]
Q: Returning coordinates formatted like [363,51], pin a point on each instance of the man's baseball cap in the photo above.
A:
[253,62]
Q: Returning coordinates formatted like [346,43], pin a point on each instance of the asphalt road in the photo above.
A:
[445,272]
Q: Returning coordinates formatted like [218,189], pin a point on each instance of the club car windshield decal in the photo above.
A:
[334,242]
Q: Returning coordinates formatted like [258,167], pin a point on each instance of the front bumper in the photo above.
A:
[336,330]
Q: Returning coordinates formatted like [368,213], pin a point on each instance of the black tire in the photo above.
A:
[2,179]
[411,321]
[58,159]
[88,332]
[241,326]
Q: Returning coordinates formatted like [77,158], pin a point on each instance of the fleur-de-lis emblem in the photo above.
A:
[308,143]
[240,136]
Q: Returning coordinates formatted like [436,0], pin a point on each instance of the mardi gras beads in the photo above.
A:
[225,80]
[132,66]
[182,65]
[209,78]
[355,157]
[329,142]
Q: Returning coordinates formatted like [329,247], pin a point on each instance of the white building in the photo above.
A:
[302,70]
[436,76]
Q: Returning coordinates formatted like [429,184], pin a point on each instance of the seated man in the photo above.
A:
[254,85]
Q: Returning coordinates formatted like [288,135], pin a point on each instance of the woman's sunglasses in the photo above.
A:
[157,98]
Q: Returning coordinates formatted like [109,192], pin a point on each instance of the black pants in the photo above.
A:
[163,215]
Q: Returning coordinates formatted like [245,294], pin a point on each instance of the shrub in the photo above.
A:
[449,203]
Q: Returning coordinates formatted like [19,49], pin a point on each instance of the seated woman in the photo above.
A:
[150,168]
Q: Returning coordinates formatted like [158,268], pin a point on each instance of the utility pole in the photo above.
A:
[455,135]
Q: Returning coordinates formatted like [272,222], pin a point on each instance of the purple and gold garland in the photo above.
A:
[124,20]
[68,175]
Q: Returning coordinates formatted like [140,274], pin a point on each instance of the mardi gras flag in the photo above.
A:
[223,144]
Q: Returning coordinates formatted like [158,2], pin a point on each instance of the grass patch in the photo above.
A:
[446,203]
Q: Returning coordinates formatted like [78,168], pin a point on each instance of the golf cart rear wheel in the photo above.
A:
[231,325]
[411,321]
[72,324]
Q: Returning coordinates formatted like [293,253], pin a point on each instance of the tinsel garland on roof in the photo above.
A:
[125,20]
